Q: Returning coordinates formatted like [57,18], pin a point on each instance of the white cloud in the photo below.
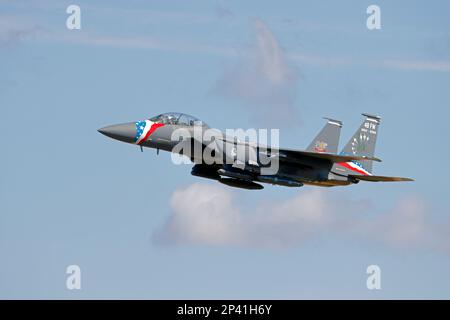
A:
[13,30]
[263,79]
[203,214]
[209,214]
[266,53]
[213,215]
[388,64]
[416,65]
[133,42]
[405,224]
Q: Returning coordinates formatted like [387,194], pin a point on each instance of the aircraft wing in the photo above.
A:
[291,154]
[380,178]
[286,153]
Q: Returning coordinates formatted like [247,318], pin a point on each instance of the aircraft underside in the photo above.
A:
[247,179]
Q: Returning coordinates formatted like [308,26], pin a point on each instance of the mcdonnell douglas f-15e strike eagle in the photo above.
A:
[319,165]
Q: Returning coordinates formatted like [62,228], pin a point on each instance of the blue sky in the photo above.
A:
[142,227]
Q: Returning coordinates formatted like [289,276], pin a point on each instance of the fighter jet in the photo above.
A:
[319,164]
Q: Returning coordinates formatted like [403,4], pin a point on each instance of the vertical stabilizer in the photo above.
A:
[362,143]
[327,139]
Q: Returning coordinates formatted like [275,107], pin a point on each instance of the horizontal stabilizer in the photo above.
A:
[380,178]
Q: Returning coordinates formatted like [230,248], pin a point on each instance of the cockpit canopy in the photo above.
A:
[177,118]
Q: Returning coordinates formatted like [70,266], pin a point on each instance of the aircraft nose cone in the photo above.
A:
[125,132]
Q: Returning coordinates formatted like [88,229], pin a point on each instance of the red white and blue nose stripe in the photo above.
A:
[144,129]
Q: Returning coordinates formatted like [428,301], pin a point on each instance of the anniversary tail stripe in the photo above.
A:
[355,167]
